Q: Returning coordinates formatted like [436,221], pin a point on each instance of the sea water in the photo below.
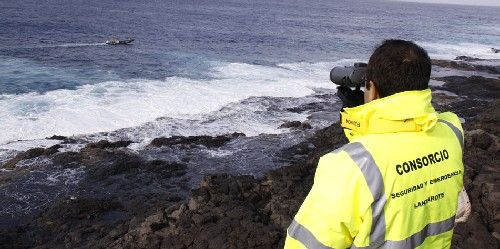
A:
[190,59]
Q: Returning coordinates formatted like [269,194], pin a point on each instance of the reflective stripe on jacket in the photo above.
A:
[395,185]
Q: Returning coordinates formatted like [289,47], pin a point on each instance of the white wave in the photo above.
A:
[433,82]
[113,105]
[70,45]
[80,44]
[450,51]
[447,93]
[23,145]
[253,116]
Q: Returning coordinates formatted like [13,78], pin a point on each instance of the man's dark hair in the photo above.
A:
[397,66]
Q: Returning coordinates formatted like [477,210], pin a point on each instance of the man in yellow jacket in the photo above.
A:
[395,185]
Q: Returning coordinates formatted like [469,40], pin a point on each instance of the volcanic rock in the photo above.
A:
[467,58]
[296,125]
[474,86]
[57,137]
[482,182]
[31,153]
[103,144]
[463,65]
[207,141]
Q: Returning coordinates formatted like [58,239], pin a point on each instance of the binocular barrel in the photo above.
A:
[350,76]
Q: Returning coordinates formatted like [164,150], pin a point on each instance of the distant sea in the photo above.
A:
[194,64]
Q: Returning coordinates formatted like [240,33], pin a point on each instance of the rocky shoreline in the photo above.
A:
[241,211]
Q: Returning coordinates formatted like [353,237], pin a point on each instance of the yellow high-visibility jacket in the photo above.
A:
[395,185]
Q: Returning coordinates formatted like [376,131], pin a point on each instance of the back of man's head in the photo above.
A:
[397,66]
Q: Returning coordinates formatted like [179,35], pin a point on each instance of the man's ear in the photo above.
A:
[371,91]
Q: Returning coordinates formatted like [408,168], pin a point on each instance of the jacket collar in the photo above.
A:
[409,111]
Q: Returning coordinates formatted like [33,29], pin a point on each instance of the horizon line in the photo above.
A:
[448,3]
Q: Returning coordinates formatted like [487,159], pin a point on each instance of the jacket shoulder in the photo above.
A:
[343,164]
[336,172]
[450,117]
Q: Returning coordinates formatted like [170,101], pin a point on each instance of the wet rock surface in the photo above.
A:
[103,144]
[207,141]
[461,64]
[474,94]
[31,153]
[296,125]
[237,211]
[475,87]
[127,199]
[482,181]
[64,139]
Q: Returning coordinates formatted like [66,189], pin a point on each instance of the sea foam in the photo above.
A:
[113,105]
[450,51]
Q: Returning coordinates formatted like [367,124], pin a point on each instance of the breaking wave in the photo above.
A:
[113,105]
[450,51]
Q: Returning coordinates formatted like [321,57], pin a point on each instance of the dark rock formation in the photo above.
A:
[236,211]
[296,125]
[31,153]
[103,144]
[57,137]
[463,65]
[474,94]
[482,181]
[474,87]
[69,223]
[207,141]
[65,140]
[130,189]
[467,58]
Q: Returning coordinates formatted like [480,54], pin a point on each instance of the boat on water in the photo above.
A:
[115,41]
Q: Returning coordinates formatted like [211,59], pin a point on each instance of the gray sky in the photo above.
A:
[466,2]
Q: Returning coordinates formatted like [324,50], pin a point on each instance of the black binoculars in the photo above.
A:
[350,76]
[347,77]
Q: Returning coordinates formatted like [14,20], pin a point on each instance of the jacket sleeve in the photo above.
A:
[331,214]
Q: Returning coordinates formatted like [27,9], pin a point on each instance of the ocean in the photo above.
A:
[190,59]
[205,67]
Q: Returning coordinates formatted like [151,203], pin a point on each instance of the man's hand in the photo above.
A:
[350,98]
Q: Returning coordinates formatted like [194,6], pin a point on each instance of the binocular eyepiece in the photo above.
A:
[350,76]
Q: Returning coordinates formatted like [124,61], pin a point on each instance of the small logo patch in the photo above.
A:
[352,122]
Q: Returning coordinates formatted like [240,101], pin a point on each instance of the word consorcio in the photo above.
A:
[420,162]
